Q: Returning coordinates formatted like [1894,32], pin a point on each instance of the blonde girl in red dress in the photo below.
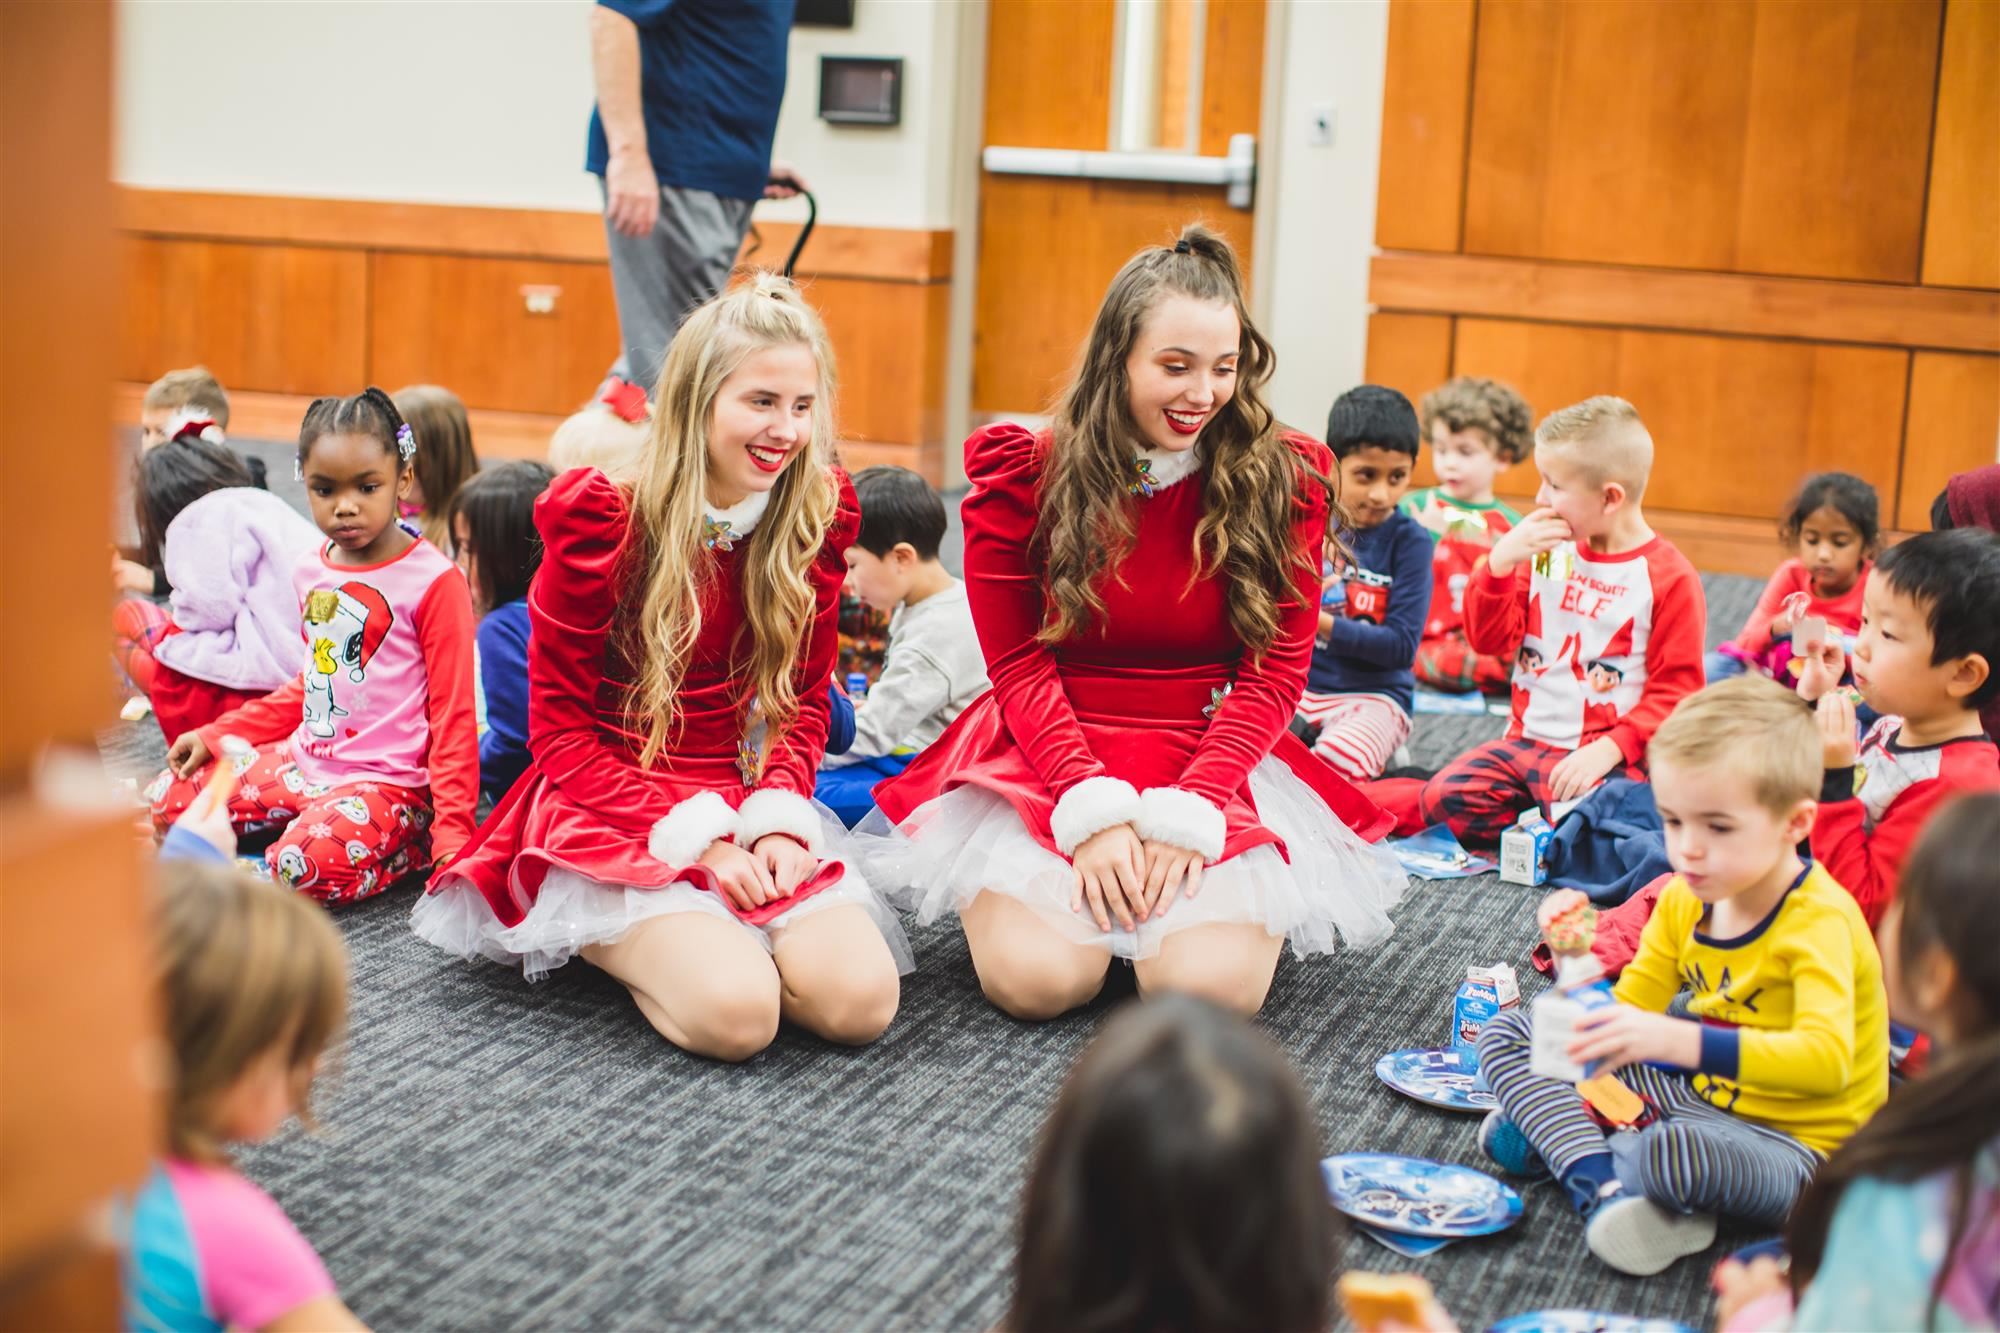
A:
[683,632]
[1145,581]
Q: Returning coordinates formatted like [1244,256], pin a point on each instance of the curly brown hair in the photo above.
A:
[1251,486]
[1471,403]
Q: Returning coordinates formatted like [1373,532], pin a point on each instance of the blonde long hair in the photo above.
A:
[1252,482]
[667,498]
[245,969]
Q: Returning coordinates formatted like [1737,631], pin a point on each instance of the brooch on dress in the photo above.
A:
[1215,698]
[1142,485]
[717,534]
[748,761]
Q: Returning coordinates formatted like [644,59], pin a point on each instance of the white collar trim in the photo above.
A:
[742,516]
[1168,466]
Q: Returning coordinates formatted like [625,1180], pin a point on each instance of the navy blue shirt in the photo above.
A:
[1375,635]
[711,76]
[503,673]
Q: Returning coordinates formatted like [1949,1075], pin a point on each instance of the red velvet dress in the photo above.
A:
[1156,715]
[620,841]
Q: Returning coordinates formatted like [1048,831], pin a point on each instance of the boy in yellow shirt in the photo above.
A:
[1785,1049]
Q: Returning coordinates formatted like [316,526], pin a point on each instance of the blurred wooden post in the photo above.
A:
[78,1119]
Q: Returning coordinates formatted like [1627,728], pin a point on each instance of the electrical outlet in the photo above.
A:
[540,299]
[1319,125]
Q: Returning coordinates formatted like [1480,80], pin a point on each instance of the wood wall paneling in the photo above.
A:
[289,319]
[1954,425]
[889,342]
[463,323]
[1234,40]
[1726,135]
[1421,192]
[1862,312]
[1736,422]
[1048,73]
[1048,248]
[1962,224]
[1411,354]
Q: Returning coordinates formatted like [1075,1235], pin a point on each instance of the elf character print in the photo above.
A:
[344,626]
[1598,616]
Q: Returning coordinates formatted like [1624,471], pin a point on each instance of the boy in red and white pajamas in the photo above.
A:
[1602,617]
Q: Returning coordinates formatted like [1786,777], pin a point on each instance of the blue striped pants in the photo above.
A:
[1696,1158]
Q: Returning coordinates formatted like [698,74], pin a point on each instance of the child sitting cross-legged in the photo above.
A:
[932,666]
[1603,617]
[1786,1050]
[1475,428]
[1901,1227]
[1924,659]
[1359,691]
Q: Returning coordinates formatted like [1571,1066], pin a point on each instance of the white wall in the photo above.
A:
[1316,205]
[436,102]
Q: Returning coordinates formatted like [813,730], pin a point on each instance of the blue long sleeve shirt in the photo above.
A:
[503,673]
[1375,634]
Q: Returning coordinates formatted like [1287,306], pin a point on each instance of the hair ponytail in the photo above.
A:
[1943,1120]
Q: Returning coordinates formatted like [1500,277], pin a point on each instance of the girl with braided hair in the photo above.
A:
[366,762]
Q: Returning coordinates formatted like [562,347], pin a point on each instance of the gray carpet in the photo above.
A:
[496,1154]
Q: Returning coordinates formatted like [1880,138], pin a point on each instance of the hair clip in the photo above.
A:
[406,441]
[1181,247]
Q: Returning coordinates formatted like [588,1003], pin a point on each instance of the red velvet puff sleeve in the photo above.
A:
[782,802]
[1004,588]
[1265,694]
[583,520]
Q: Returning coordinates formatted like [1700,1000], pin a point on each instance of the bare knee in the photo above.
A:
[1227,982]
[852,1009]
[1039,986]
[731,1018]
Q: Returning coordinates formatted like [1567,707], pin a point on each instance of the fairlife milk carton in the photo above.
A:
[1524,850]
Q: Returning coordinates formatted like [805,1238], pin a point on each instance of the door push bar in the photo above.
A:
[1237,171]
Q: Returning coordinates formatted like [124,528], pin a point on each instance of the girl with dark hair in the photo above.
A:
[227,549]
[493,539]
[1176,1186]
[1901,1227]
[368,758]
[1145,581]
[1833,527]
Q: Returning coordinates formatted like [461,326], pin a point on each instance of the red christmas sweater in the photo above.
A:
[1462,535]
[1870,814]
[1604,645]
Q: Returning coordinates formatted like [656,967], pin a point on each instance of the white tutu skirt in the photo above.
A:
[572,911]
[970,840]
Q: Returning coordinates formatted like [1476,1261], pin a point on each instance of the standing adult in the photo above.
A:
[680,140]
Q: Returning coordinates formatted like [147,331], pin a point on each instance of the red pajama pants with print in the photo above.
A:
[340,843]
[1482,792]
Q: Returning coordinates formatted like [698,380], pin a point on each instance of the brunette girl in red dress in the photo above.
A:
[683,636]
[1145,583]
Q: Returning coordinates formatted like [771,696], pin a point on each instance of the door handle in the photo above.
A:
[1237,170]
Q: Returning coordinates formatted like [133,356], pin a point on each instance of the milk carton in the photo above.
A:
[1524,850]
[1580,988]
[1485,992]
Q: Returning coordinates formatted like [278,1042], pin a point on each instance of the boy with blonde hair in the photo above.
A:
[175,396]
[1785,1050]
[1602,616]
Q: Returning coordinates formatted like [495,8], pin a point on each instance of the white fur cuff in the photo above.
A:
[1181,818]
[775,810]
[686,831]
[1090,807]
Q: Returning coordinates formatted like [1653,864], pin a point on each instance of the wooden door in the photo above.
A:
[1048,245]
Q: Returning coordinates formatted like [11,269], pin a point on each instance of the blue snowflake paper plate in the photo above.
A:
[1419,1197]
[1585,1321]
[1442,1078]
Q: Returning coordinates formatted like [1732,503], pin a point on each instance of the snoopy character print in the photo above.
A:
[343,628]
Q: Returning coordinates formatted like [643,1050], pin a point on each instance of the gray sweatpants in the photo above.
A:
[659,278]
